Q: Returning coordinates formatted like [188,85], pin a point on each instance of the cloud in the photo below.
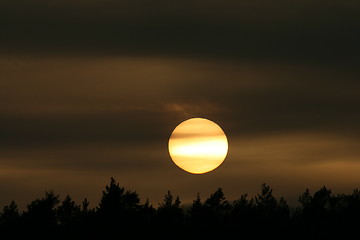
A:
[303,30]
[68,100]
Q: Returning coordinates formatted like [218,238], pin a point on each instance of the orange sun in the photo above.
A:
[198,145]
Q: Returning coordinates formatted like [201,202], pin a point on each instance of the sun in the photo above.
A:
[198,145]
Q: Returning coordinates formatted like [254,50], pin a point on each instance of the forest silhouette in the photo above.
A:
[121,212]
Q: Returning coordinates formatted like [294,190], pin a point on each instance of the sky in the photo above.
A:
[93,89]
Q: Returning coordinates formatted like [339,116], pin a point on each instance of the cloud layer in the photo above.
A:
[297,31]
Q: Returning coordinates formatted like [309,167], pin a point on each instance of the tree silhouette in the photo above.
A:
[197,211]
[10,215]
[112,197]
[270,214]
[118,205]
[147,213]
[351,206]
[115,198]
[85,205]
[315,207]
[42,212]
[68,212]
[217,206]
[283,210]
[321,215]
[243,211]
[169,211]
[265,201]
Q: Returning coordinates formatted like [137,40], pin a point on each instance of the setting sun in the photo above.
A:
[198,145]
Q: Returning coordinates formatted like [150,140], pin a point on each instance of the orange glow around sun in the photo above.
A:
[198,145]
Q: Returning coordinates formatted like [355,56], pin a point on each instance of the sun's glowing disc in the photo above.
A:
[198,145]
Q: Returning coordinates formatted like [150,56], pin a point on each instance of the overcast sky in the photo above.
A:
[93,89]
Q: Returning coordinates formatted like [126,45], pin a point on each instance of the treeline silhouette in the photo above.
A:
[121,212]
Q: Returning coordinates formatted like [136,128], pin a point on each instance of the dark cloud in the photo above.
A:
[124,127]
[298,31]
[278,97]
[111,101]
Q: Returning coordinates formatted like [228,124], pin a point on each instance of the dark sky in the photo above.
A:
[93,89]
